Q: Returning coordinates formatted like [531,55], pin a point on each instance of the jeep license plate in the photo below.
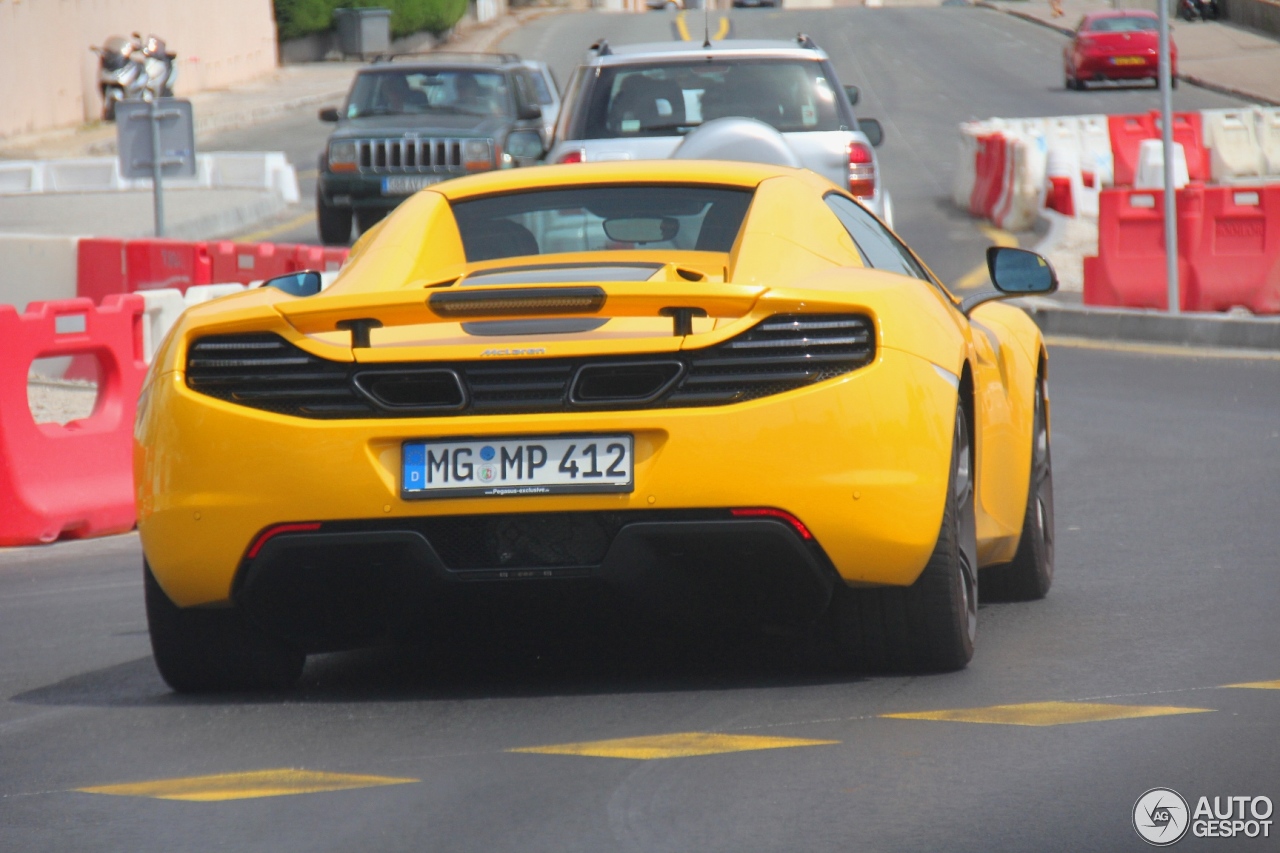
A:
[408,184]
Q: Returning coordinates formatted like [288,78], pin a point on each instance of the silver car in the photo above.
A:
[637,102]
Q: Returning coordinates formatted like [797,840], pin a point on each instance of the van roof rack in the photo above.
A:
[601,48]
[805,41]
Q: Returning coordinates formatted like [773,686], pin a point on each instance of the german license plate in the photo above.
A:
[1128,60]
[407,184]
[516,467]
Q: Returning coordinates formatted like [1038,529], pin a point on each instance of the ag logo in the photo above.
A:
[1160,816]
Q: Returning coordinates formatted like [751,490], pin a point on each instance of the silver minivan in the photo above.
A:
[637,102]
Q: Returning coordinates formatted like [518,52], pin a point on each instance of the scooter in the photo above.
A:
[131,68]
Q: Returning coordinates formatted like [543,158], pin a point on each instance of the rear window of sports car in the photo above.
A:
[602,218]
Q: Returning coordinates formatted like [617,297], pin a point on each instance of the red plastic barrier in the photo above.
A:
[990,177]
[1237,255]
[1129,268]
[1187,132]
[100,268]
[73,480]
[1059,195]
[1127,133]
[319,258]
[246,262]
[157,264]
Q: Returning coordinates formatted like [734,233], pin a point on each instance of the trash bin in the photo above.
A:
[363,31]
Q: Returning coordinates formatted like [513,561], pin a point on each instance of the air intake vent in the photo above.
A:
[781,354]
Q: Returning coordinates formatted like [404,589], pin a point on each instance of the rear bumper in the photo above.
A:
[350,582]
[861,460]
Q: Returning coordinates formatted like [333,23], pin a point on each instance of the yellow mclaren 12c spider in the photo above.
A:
[700,386]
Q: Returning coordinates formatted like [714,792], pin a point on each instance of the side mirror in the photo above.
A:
[1020,272]
[1015,272]
[872,130]
[528,112]
[330,114]
[305,283]
[852,93]
[525,145]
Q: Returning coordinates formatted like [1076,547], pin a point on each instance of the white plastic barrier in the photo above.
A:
[1150,174]
[1096,158]
[267,170]
[1234,146]
[1268,128]
[1022,198]
[165,306]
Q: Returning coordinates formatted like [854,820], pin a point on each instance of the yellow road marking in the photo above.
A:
[268,233]
[1183,350]
[672,746]
[978,276]
[1257,685]
[243,786]
[682,27]
[1048,713]
[304,174]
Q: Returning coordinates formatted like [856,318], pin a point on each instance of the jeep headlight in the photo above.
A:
[477,155]
[342,156]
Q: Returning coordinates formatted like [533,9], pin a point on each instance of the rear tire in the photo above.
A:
[200,650]
[335,223]
[1030,574]
[931,625]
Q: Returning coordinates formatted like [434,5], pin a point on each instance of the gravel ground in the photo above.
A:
[60,400]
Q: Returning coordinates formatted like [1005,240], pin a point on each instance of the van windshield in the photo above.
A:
[670,99]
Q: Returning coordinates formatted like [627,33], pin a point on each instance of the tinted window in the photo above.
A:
[672,98]
[877,245]
[548,222]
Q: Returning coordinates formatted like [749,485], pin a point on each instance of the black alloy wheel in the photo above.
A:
[1030,574]
[201,650]
[930,626]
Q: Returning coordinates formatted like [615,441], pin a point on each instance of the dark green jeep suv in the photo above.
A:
[418,121]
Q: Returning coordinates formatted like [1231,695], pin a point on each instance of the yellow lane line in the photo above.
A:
[268,233]
[243,786]
[1257,685]
[682,27]
[1179,350]
[304,174]
[1048,713]
[722,30]
[682,745]
[978,276]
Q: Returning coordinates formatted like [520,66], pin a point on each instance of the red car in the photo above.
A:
[1117,45]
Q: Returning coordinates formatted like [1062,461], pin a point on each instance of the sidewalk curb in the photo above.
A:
[1150,326]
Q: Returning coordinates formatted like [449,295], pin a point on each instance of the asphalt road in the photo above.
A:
[1166,469]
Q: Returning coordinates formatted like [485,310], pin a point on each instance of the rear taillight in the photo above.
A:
[862,170]
[577,155]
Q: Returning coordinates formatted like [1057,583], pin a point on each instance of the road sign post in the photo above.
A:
[156,139]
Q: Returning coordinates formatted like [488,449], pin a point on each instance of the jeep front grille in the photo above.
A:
[780,354]
[408,155]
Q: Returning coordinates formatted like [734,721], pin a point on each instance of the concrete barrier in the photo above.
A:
[265,170]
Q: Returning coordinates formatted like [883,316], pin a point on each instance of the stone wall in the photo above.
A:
[1261,15]
[52,76]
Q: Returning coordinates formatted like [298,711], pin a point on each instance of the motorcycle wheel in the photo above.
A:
[110,97]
